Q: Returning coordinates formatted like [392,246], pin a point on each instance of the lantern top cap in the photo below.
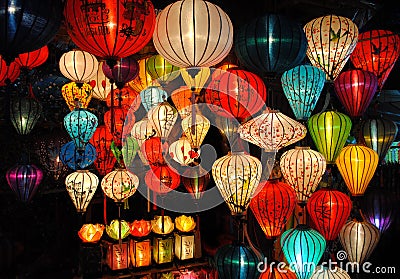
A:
[302,148]
[303,227]
[82,171]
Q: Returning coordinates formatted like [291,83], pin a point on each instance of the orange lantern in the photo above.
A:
[9,73]
[153,150]
[105,159]
[125,97]
[140,228]
[162,179]
[91,232]
[182,99]
[33,59]
[118,121]
[77,96]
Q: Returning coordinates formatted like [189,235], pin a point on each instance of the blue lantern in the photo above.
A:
[237,261]
[80,125]
[152,96]
[75,159]
[270,44]
[302,86]
[303,248]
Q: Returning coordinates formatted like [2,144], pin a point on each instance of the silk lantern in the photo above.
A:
[33,59]
[24,180]
[195,129]
[102,85]
[143,79]
[195,180]
[273,206]
[152,96]
[359,239]
[236,176]
[91,233]
[76,96]
[80,125]
[303,248]
[118,121]
[270,44]
[331,40]
[122,72]
[329,210]
[81,186]
[109,29]
[274,272]
[162,118]
[378,134]
[193,33]
[182,99]
[357,165]
[162,179]
[376,51]
[129,150]
[153,150]
[181,151]
[141,131]
[125,97]
[329,131]
[334,272]
[302,169]
[3,69]
[119,185]
[25,113]
[392,156]
[161,70]
[10,73]
[355,90]
[75,159]
[78,65]
[101,140]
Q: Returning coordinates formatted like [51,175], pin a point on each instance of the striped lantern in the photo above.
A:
[195,129]
[331,272]
[125,97]
[195,180]
[33,59]
[181,151]
[162,179]
[141,131]
[302,86]
[182,99]
[81,186]
[119,184]
[161,70]
[355,90]
[162,118]
[359,239]
[302,169]
[102,85]
[357,165]
[329,210]
[75,159]
[78,66]
[152,96]
[124,71]
[331,40]
[329,131]
[143,79]
[25,113]
[24,180]
[193,33]
[379,134]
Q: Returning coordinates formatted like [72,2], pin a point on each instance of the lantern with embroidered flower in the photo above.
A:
[182,152]
[101,84]
[77,96]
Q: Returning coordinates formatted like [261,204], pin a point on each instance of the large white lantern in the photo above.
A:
[81,186]
[102,85]
[162,118]
[78,65]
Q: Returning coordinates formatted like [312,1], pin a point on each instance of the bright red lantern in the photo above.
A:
[33,59]
[329,210]
[273,206]
[127,98]
[236,93]
[376,51]
[110,29]
[118,121]
[162,179]
[153,150]
[355,90]
[9,73]
[105,159]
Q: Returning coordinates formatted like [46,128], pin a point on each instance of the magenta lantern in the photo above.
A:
[123,72]
[24,181]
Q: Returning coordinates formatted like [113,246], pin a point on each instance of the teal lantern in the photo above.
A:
[152,96]
[302,86]
[237,261]
[80,125]
[303,248]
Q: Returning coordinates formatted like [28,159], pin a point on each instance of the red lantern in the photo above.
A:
[3,68]
[33,59]
[162,179]
[110,29]
[355,90]
[127,98]
[236,93]
[376,51]
[153,150]
[276,272]
[273,206]
[118,121]
[329,210]
[105,159]
[9,73]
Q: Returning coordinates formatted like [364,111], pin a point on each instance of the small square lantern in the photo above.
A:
[184,245]
[163,249]
[140,252]
[117,256]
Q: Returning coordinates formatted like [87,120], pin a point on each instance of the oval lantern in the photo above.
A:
[118,121]
[24,181]
[329,210]
[78,66]
[355,90]
[153,150]
[193,33]
[125,70]
[376,51]
[75,159]
[357,165]
[12,72]
[195,180]
[302,86]
[25,113]
[162,179]
[33,59]
[303,248]
[182,152]
[77,95]
[102,85]
[359,239]
[236,176]
[152,96]
[273,206]
[143,79]
[110,29]
[119,185]
[101,140]
[270,44]
[331,40]
[162,118]
[379,134]
[329,131]
[81,186]
[161,70]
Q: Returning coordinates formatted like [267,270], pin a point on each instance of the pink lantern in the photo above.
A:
[24,181]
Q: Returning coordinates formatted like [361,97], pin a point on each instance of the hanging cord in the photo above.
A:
[250,243]
[327,102]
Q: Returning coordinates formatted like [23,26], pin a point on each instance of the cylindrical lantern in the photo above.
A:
[77,96]
[152,96]
[163,241]
[379,134]
[329,131]
[24,181]
[377,51]
[329,210]
[105,159]
[123,72]
[303,248]
[162,179]
[331,39]
[102,85]
[78,65]
[81,186]
[33,59]
[25,113]
[181,151]
[302,86]
[272,130]
[80,125]
[270,44]
[75,159]
[91,233]
[273,206]
[195,180]
[161,70]
[110,29]
[237,176]
[119,185]
[357,165]
[355,90]
[359,239]
[302,169]
[193,33]
[195,129]
[162,118]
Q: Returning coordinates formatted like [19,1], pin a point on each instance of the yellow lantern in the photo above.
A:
[162,118]
[91,233]
[195,78]
[162,225]
[76,96]
[143,79]
[81,186]
[163,247]
[196,129]
[185,223]
[357,165]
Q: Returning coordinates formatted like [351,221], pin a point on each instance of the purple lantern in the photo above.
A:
[124,71]
[24,181]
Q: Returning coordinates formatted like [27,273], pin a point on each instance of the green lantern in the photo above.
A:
[329,131]
[130,147]
[113,230]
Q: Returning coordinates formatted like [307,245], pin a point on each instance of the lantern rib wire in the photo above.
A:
[75,183]
[24,114]
[24,181]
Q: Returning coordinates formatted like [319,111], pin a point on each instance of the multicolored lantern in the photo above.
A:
[81,186]
[162,179]
[77,96]
[75,159]
[184,239]
[141,131]
[78,65]
[33,59]
[119,185]
[91,233]
[125,70]
[163,246]
[25,113]
[24,181]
